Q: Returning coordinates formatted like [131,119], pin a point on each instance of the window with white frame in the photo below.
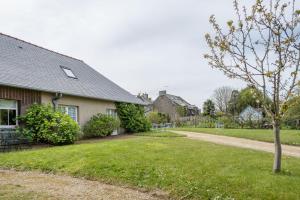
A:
[8,113]
[112,112]
[72,111]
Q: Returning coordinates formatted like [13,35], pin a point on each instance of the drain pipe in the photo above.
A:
[58,95]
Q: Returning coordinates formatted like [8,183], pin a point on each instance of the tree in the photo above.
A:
[249,96]
[154,118]
[262,49]
[232,104]
[221,98]
[209,108]
[132,117]
[292,114]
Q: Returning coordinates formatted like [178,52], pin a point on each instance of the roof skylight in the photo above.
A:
[68,72]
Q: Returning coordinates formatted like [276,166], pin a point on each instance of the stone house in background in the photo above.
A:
[174,106]
[148,103]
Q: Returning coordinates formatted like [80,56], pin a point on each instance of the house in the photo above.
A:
[174,106]
[251,114]
[32,74]
[148,103]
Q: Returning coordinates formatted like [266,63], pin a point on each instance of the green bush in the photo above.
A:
[158,118]
[207,122]
[42,124]
[100,125]
[132,118]
[206,125]
[228,122]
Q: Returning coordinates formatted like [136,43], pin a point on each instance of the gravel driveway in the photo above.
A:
[240,142]
[33,185]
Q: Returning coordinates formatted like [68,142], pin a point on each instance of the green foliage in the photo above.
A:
[209,108]
[207,122]
[179,123]
[154,118]
[158,118]
[183,168]
[132,117]
[249,97]
[232,104]
[228,122]
[42,124]
[291,116]
[229,23]
[182,111]
[253,124]
[269,71]
[100,125]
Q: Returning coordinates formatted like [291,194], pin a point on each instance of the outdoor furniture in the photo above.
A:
[10,140]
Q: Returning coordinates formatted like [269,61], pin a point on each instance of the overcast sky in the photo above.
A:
[142,45]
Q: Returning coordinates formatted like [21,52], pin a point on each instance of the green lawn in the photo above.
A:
[159,134]
[185,168]
[291,137]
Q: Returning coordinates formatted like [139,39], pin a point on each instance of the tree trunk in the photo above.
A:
[278,151]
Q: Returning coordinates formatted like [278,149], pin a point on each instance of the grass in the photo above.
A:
[291,137]
[159,134]
[185,168]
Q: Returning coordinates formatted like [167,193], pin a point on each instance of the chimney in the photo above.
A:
[163,92]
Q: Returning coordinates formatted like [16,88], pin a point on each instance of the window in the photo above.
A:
[72,111]
[112,112]
[68,72]
[8,113]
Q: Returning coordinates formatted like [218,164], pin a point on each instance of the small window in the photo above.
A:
[112,112]
[72,111]
[8,113]
[68,72]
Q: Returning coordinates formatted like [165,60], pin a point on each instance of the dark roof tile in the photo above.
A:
[37,68]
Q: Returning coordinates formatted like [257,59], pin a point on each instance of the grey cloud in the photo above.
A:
[142,45]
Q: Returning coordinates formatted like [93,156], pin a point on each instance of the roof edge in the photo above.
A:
[75,95]
[40,47]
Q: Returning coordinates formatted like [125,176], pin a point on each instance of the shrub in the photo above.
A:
[228,122]
[207,125]
[100,125]
[251,123]
[179,123]
[132,118]
[207,122]
[42,124]
[158,118]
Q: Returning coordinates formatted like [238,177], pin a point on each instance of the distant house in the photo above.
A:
[174,106]
[251,114]
[148,103]
[32,74]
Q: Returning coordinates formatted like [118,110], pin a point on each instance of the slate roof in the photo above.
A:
[180,101]
[26,65]
[145,99]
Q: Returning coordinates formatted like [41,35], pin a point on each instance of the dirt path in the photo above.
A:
[33,185]
[240,142]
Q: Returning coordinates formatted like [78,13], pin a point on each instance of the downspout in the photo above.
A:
[58,95]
